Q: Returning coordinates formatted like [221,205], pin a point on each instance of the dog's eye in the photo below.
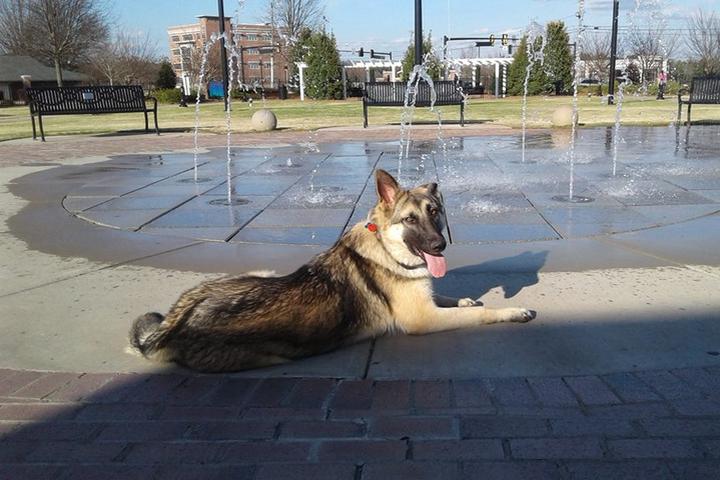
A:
[433,211]
[410,219]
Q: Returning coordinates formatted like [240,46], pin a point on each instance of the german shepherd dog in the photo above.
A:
[374,280]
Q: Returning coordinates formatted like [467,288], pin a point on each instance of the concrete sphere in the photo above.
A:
[562,117]
[264,120]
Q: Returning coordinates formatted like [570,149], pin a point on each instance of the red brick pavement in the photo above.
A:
[654,425]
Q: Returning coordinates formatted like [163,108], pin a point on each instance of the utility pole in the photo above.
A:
[418,33]
[613,52]
[223,53]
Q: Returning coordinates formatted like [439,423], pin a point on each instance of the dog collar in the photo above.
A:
[371,226]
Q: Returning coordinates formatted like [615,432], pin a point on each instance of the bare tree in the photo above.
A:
[703,40]
[14,26]
[59,32]
[651,45]
[290,17]
[192,64]
[596,54]
[126,59]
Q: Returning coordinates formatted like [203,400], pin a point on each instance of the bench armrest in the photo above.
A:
[33,107]
[150,97]
[682,91]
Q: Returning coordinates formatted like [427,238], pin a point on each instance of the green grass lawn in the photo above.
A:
[311,114]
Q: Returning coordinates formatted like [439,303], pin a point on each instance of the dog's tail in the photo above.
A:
[142,330]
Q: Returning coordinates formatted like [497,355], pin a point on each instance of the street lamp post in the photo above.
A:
[418,33]
[613,52]
[223,53]
[242,64]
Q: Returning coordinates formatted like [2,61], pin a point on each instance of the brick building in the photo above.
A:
[261,63]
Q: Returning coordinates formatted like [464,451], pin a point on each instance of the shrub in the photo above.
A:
[167,95]
[237,93]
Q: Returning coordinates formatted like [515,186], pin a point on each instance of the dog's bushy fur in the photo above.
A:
[367,284]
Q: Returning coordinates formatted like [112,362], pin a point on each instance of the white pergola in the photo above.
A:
[498,63]
[395,67]
[376,63]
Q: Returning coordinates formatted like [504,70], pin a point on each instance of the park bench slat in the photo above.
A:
[88,100]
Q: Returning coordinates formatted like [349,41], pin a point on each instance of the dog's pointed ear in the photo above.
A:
[431,188]
[387,187]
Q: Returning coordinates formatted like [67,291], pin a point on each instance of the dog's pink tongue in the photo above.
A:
[436,265]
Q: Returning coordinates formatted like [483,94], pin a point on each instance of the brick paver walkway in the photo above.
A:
[654,425]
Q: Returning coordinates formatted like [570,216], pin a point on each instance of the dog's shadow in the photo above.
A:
[511,274]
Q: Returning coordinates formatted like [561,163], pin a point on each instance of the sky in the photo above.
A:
[386,25]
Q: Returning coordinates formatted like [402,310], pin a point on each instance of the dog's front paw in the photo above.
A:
[469,302]
[521,315]
[466,302]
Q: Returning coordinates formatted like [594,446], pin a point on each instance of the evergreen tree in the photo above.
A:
[166,77]
[323,76]
[298,52]
[538,83]
[517,69]
[432,64]
[558,59]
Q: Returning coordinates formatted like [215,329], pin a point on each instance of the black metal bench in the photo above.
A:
[703,91]
[392,94]
[92,100]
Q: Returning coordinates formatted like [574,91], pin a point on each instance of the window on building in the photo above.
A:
[254,65]
[253,51]
[177,66]
[187,36]
[251,36]
[176,51]
[175,38]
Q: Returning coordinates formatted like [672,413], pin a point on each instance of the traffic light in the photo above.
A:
[492,40]
[505,39]
[372,53]
[361,52]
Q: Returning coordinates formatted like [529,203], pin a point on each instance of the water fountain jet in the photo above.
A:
[571,198]
[533,33]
